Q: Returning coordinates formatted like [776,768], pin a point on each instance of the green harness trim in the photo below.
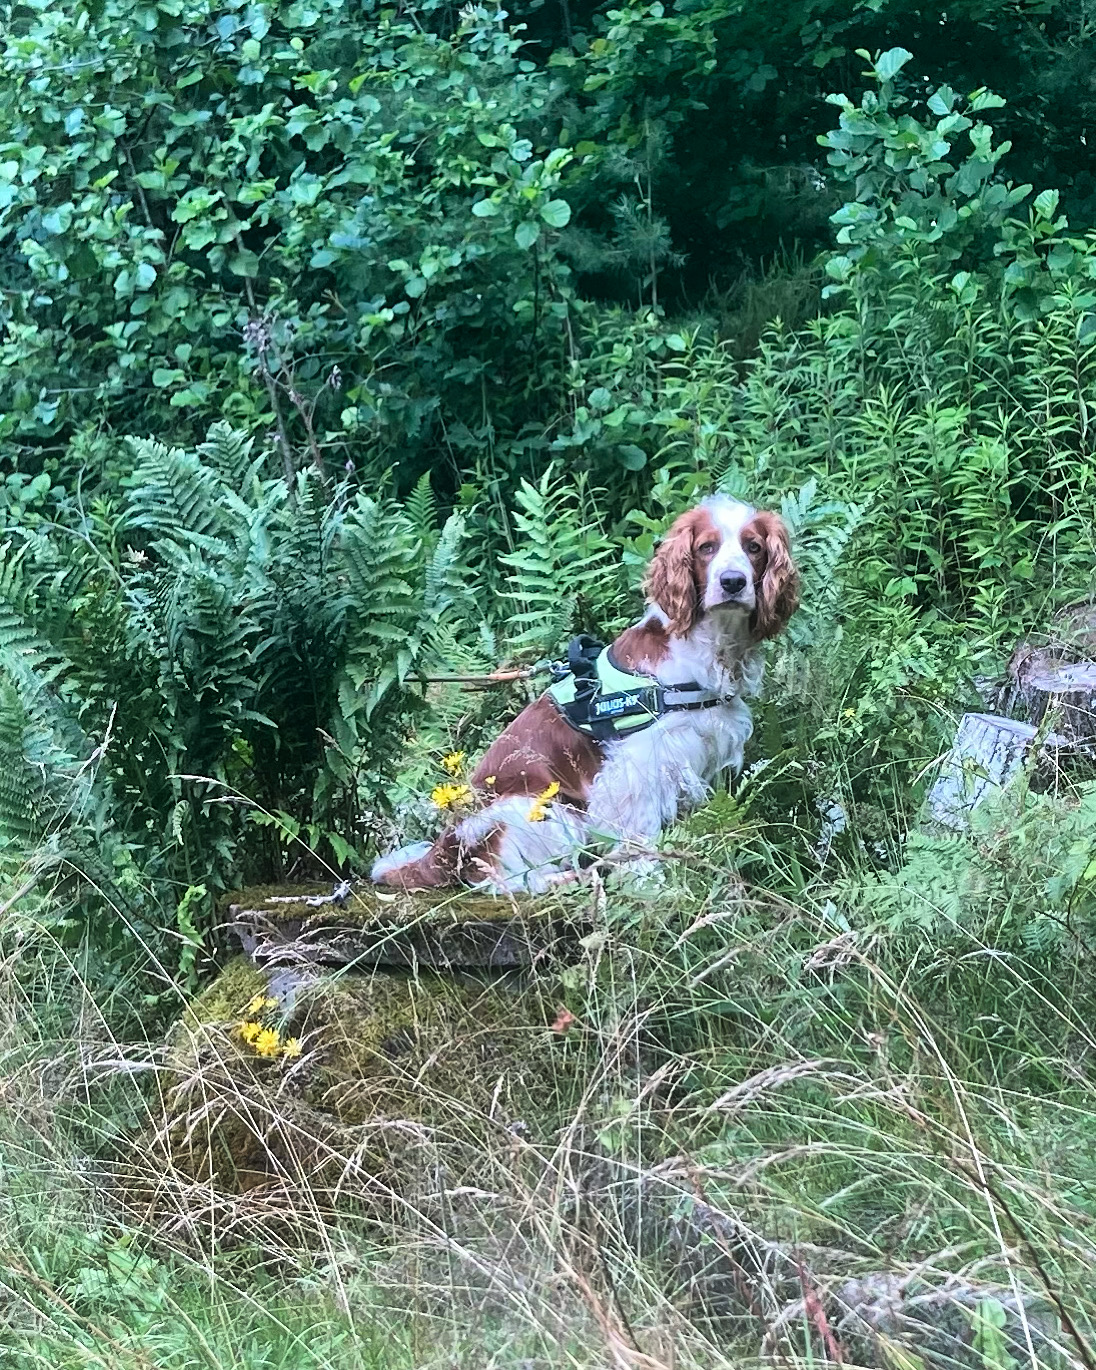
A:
[599,698]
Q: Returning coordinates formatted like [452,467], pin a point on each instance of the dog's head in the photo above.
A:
[722,558]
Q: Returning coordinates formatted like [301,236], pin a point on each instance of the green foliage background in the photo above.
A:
[343,347]
[432,208]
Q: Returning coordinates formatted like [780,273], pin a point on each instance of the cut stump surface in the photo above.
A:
[361,925]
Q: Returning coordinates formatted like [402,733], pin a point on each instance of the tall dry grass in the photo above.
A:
[776,1137]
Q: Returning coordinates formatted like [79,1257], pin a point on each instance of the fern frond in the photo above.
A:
[25,657]
[445,592]
[46,780]
[378,551]
[170,493]
[821,532]
[421,511]
[228,451]
[24,818]
[563,558]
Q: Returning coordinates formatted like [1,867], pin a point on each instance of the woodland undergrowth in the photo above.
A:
[857,1046]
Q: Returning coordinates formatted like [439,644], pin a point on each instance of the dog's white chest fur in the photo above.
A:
[649,778]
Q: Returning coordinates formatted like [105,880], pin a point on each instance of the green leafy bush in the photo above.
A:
[332,224]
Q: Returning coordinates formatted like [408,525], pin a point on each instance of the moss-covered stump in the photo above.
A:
[361,925]
[359,1084]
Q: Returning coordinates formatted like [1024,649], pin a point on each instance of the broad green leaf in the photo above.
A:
[556,213]
[1046,204]
[244,263]
[985,99]
[1060,257]
[891,62]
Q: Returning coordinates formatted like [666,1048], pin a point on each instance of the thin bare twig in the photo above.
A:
[19,893]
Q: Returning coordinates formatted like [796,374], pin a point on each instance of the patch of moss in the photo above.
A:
[366,904]
[417,1046]
[259,896]
[228,996]
[397,1055]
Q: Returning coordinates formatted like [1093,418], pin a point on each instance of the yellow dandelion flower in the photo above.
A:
[249,1031]
[450,796]
[260,1002]
[267,1043]
[292,1048]
[453,763]
[490,780]
[539,812]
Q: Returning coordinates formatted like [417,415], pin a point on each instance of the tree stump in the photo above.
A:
[987,754]
[371,1039]
[364,926]
[1042,682]
[1055,674]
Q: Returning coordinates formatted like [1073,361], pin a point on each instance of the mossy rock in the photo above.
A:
[276,1076]
[362,925]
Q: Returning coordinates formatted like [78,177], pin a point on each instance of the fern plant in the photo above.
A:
[214,645]
[1023,878]
[562,578]
[821,531]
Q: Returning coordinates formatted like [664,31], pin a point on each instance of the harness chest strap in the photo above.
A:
[597,697]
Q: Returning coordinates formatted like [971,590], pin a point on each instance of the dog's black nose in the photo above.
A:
[733,582]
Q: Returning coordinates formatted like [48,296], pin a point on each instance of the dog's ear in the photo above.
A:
[671,577]
[778,592]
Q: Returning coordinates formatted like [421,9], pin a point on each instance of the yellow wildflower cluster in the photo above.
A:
[450,796]
[453,764]
[539,811]
[263,1040]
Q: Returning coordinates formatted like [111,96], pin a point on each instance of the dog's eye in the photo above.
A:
[753,547]
[708,549]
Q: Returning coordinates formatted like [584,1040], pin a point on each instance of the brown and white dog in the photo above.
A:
[721,582]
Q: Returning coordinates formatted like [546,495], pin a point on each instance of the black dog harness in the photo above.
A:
[599,698]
